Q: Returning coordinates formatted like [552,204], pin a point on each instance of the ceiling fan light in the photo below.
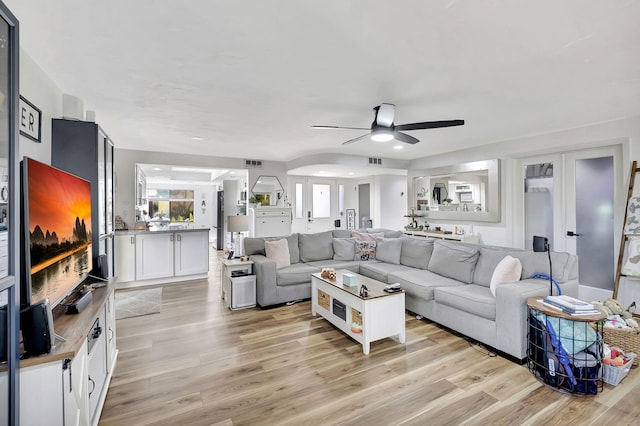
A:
[381,135]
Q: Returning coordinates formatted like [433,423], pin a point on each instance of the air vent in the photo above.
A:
[375,161]
[255,164]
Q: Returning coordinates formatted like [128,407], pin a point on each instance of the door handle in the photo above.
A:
[573,234]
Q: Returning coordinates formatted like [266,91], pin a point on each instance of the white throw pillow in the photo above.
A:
[507,271]
[279,252]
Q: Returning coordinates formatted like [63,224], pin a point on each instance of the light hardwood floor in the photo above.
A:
[198,363]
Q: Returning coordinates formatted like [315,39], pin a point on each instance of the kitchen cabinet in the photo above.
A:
[191,253]
[158,257]
[154,255]
[125,254]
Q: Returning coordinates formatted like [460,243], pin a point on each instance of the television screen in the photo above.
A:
[57,211]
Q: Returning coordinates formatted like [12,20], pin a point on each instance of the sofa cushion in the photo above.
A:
[416,252]
[364,236]
[278,251]
[471,298]
[351,265]
[317,246]
[508,271]
[365,250]
[388,233]
[563,264]
[453,260]
[256,246]
[344,248]
[388,250]
[487,262]
[341,233]
[380,270]
[297,273]
[420,283]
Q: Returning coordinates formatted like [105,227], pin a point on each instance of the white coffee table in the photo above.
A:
[380,314]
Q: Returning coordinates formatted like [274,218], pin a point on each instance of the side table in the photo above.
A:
[565,351]
[230,284]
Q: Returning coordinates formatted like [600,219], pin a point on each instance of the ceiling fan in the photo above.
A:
[383,130]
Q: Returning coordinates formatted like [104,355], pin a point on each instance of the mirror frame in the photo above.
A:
[271,202]
[493,191]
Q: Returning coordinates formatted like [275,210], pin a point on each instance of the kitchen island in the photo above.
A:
[160,257]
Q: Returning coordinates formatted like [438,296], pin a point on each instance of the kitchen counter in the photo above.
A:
[157,231]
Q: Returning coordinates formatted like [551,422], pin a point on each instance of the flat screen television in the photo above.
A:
[57,232]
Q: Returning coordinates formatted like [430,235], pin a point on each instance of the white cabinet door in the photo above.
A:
[97,370]
[191,253]
[35,383]
[154,255]
[110,328]
[125,257]
[75,389]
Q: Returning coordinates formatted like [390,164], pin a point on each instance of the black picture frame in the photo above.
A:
[29,115]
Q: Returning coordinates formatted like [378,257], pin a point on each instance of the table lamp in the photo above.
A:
[238,223]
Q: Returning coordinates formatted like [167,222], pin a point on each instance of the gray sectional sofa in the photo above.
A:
[445,281]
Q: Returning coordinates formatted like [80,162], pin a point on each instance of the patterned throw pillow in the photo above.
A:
[365,250]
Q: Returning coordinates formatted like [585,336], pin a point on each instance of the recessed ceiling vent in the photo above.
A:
[254,164]
[375,161]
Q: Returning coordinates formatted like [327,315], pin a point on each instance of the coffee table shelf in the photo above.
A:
[381,314]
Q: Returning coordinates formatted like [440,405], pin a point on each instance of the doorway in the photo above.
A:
[364,205]
[570,198]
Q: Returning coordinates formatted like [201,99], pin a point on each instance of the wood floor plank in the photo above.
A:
[198,363]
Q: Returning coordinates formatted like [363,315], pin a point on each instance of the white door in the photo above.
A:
[315,204]
[591,183]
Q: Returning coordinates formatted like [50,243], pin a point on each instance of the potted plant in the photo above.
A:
[446,201]
[253,201]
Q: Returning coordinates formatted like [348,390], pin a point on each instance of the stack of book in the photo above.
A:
[570,305]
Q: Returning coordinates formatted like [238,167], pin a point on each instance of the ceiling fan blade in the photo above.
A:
[359,138]
[429,125]
[403,137]
[384,115]
[339,127]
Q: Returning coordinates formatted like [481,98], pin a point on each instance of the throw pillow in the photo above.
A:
[365,250]
[278,251]
[632,264]
[344,248]
[388,250]
[364,236]
[507,271]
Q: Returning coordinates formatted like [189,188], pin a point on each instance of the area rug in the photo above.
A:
[134,303]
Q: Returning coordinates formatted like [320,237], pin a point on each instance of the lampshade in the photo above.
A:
[239,223]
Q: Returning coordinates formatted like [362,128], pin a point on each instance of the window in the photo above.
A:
[298,201]
[175,205]
[321,200]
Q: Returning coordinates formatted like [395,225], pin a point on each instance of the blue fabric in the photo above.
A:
[575,336]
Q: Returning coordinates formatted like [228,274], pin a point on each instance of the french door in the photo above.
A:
[314,204]
[570,198]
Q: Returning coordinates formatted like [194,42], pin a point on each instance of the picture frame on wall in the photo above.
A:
[351,219]
[30,119]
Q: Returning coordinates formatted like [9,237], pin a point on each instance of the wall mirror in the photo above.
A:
[268,191]
[468,191]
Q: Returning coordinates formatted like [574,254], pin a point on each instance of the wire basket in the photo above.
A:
[613,375]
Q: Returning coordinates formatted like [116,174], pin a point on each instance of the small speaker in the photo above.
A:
[337,223]
[540,244]
[78,305]
[37,328]
[102,267]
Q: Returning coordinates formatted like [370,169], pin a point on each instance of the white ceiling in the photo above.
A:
[252,77]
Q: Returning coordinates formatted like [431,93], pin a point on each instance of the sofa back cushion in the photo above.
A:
[489,259]
[317,246]
[341,233]
[388,233]
[416,252]
[366,236]
[564,265]
[388,250]
[256,246]
[344,248]
[454,260]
